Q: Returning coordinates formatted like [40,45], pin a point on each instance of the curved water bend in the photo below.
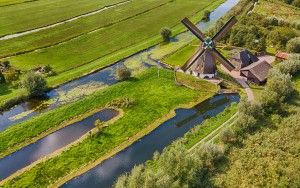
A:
[104,174]
[51,143]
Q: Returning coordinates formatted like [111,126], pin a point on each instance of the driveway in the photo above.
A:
[242,81]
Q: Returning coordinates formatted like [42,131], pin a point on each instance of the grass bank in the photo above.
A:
[143,90]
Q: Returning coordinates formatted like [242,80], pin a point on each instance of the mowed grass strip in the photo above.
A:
[28,16]
[70,30]
[95,45]
[12,2]
[180,57]
[154,98]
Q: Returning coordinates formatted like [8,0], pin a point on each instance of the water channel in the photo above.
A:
[51,143]
[106,173]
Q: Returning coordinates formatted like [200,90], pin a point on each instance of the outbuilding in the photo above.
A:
[243,59]
[256,72]
[281,56]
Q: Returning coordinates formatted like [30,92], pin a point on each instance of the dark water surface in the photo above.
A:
[49,144]
[106,173]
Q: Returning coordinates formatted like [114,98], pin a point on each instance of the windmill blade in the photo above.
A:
[193,29]
[224,29]
[222,60]
[192,60]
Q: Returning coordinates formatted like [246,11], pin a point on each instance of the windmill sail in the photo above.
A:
[193,29]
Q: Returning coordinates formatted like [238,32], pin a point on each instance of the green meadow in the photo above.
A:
[143,90]
[90,43]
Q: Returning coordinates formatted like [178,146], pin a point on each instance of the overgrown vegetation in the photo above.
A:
[256,30]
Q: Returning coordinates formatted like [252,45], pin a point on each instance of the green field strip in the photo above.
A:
[28,16]
[105,41]
[72,30]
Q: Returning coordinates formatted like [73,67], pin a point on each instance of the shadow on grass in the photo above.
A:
[5,89]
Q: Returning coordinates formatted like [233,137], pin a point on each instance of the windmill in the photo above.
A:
[202,63]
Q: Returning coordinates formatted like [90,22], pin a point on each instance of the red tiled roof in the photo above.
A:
[282,55]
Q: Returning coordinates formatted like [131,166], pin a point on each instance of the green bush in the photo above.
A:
[123,73]
[34,84]
[206,15]
[277,90]
[280,36]
[11,75]
[293,45]
[166,34]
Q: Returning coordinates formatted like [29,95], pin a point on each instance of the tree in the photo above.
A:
[206,15]
[277,90]
[293,45]
[123,73]
[99,124]
[166,34]
[280,36]
[227,136]
[34,84]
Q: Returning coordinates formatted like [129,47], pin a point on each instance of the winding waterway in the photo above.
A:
[86,85]
[106,173]
[51,143]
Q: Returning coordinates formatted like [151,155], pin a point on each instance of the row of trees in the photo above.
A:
[174,167]
[256,32]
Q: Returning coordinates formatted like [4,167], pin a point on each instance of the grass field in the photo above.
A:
[181,56]
[93,42]
[144,89]
[95,45]
[23,17]
[70,30]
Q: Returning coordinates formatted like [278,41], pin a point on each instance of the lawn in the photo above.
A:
[11,2]
[144,90]
[181,56]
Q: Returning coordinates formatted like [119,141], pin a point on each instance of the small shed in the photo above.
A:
[243,59]
[281,56]
[256,72]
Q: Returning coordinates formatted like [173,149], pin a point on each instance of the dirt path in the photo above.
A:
[242,81]
[6,37]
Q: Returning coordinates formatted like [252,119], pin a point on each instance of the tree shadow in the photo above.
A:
[5,89]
